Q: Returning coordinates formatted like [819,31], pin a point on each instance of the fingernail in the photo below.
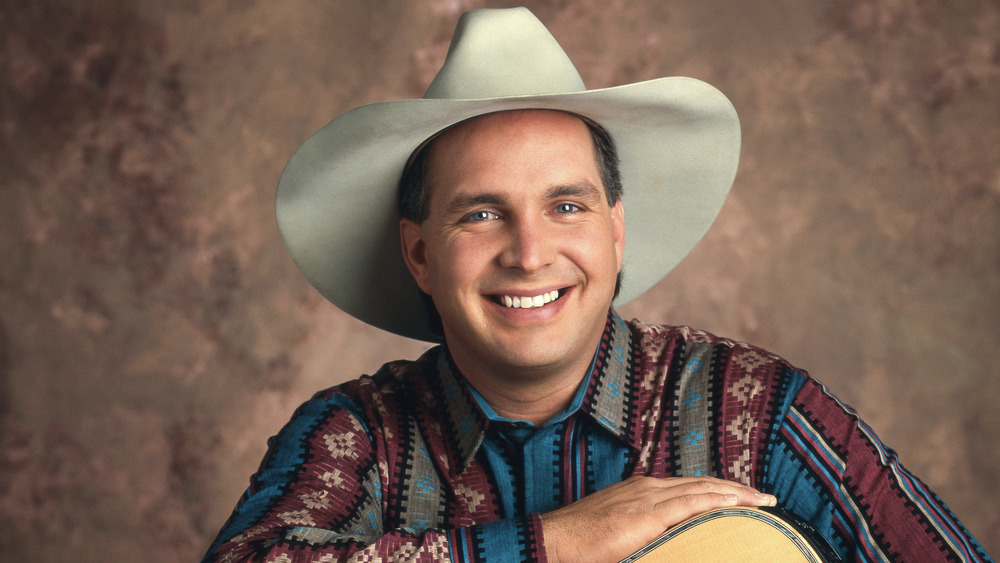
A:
[769,499]
[732,499]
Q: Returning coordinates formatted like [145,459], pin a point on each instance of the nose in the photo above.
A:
[529,247]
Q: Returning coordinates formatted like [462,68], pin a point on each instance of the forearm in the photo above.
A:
[315,544]
[513,540]
[320,493]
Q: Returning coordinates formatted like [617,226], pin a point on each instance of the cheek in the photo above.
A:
[458,262]
[596,250]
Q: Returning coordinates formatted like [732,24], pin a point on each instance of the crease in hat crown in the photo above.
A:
[501,53]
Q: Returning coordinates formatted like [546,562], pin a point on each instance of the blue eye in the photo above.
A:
[566,208]
[479,216]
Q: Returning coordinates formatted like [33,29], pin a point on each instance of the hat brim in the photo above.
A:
[678,142]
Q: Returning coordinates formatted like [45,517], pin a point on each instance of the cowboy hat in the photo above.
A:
[678,142]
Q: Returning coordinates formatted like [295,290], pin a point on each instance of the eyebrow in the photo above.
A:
[576,189]
[460,203]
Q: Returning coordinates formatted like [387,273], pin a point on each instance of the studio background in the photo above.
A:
[154,333]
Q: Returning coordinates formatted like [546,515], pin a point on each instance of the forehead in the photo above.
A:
[523,147]
[523,122]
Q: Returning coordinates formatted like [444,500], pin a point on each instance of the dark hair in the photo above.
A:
[414,192]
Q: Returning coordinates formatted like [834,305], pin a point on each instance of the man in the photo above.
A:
[544,427]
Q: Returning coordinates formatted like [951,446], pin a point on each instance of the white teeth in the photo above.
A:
[517,302]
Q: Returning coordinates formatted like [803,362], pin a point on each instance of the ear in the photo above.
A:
[618,230]
[411,237]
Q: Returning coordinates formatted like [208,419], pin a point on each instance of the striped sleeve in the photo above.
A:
[827,466]
[317,493]
[318,497]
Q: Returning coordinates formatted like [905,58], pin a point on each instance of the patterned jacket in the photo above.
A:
[406,465]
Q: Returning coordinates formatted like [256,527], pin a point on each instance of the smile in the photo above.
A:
[524,302]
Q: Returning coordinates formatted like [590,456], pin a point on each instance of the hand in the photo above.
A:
[614,522]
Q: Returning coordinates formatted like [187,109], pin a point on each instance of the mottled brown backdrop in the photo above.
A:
[154,333]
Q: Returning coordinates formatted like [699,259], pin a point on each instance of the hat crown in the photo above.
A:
[503,53]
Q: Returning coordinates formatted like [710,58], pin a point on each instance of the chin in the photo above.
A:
[528,355]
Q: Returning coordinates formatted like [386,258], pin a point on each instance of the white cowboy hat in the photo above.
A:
[678,142]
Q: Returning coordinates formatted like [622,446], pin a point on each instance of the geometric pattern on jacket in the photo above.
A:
[390,467]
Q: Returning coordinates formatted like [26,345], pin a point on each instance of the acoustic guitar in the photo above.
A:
[744,534]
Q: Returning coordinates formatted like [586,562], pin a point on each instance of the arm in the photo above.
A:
[318,493]
[318,496]
[827,466]
[307,495]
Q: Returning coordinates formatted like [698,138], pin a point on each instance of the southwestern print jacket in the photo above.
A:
[409,464]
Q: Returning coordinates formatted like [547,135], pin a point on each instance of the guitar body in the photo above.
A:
[737,534]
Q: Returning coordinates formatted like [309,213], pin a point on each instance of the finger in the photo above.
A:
[675,486]
[678,509]
[707,494]
[745,495]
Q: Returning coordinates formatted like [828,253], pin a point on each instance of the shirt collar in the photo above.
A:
[609,391]
[603,395]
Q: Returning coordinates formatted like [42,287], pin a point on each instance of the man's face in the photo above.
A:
[520,249]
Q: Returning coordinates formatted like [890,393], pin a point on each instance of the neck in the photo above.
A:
[533,394]
[535,403]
